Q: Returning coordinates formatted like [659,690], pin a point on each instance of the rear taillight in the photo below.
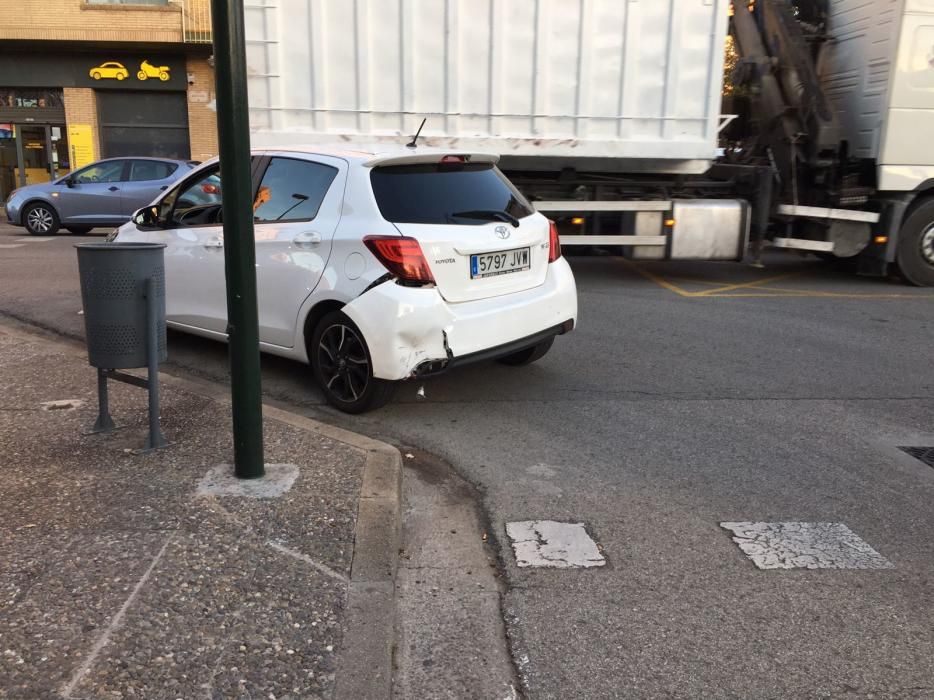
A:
[402,256]
[554,243]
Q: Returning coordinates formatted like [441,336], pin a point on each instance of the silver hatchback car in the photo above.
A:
[105,193]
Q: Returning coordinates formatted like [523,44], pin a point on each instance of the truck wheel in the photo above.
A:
[529,355]
[341,364]
[40,219]
[915,255]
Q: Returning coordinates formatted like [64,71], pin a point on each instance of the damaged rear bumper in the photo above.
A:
[430,367]
[413,331]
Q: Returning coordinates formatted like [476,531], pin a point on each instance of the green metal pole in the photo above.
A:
[233,130]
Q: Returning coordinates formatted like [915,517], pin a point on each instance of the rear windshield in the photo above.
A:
[433,193]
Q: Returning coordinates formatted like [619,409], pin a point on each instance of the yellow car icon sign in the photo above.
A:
[111,69]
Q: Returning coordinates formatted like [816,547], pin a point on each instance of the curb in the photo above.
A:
[364,663]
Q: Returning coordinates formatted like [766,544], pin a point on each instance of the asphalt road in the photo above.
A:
[690,395]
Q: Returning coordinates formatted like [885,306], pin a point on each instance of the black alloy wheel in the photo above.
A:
[342,366]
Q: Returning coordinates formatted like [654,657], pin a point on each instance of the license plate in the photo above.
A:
[501,263]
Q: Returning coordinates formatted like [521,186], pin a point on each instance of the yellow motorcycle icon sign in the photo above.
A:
[147,70]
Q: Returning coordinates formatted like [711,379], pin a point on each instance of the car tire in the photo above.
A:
[41,219]
[79,230]
[341,365]
[120,76]
[529,355]
[96,75]
[915,254]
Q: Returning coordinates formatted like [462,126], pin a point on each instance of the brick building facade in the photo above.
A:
[82,80]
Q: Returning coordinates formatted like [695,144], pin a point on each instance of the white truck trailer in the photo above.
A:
[607,113]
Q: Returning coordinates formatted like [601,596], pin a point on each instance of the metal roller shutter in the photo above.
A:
[143,124]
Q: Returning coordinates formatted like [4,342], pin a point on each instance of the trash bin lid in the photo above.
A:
[116,245]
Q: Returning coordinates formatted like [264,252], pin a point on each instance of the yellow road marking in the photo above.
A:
[764,292]
[693,280]
[748,285]
[665,284]
[847,295]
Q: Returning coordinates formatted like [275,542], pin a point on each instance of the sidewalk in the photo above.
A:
[117,580]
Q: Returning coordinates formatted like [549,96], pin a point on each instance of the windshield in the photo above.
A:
[469,194]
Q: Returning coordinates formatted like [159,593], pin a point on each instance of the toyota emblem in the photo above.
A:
[501,232]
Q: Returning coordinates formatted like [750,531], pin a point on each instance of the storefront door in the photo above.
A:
[33,139]
[30,154]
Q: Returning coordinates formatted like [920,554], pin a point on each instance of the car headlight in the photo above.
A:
[112,236]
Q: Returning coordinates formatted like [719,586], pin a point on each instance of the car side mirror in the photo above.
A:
[70,181]
[147,217]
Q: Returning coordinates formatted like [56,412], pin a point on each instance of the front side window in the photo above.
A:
[109,171]
[292,190]
[196,202]
[440,193]
[143,170]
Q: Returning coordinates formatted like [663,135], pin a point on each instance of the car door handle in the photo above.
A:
[307,238]
[113,189]
[214,243]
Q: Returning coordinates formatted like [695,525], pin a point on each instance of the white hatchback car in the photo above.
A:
[372,266]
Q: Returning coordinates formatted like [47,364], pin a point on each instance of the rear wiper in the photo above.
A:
[488,215]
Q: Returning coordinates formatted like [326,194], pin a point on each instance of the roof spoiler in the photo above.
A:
[430,157]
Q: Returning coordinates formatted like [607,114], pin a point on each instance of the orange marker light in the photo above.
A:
[577,220]
[670,223]
[880,240]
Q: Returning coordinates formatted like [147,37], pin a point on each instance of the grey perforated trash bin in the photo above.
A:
[113,291]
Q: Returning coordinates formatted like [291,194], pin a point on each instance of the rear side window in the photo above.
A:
[433,193]
[292,190]
[141,170]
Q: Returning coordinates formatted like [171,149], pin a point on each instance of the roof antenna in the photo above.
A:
[412,144]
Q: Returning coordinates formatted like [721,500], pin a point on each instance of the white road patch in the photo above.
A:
[34,239]
[221,481]
[546,543]
[62,405]
[7,246]
[544,470]
[795,545]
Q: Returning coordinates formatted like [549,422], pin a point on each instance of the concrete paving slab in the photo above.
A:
[451,638]
[221,480]
[52,626]
[118,580]
[439,662]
